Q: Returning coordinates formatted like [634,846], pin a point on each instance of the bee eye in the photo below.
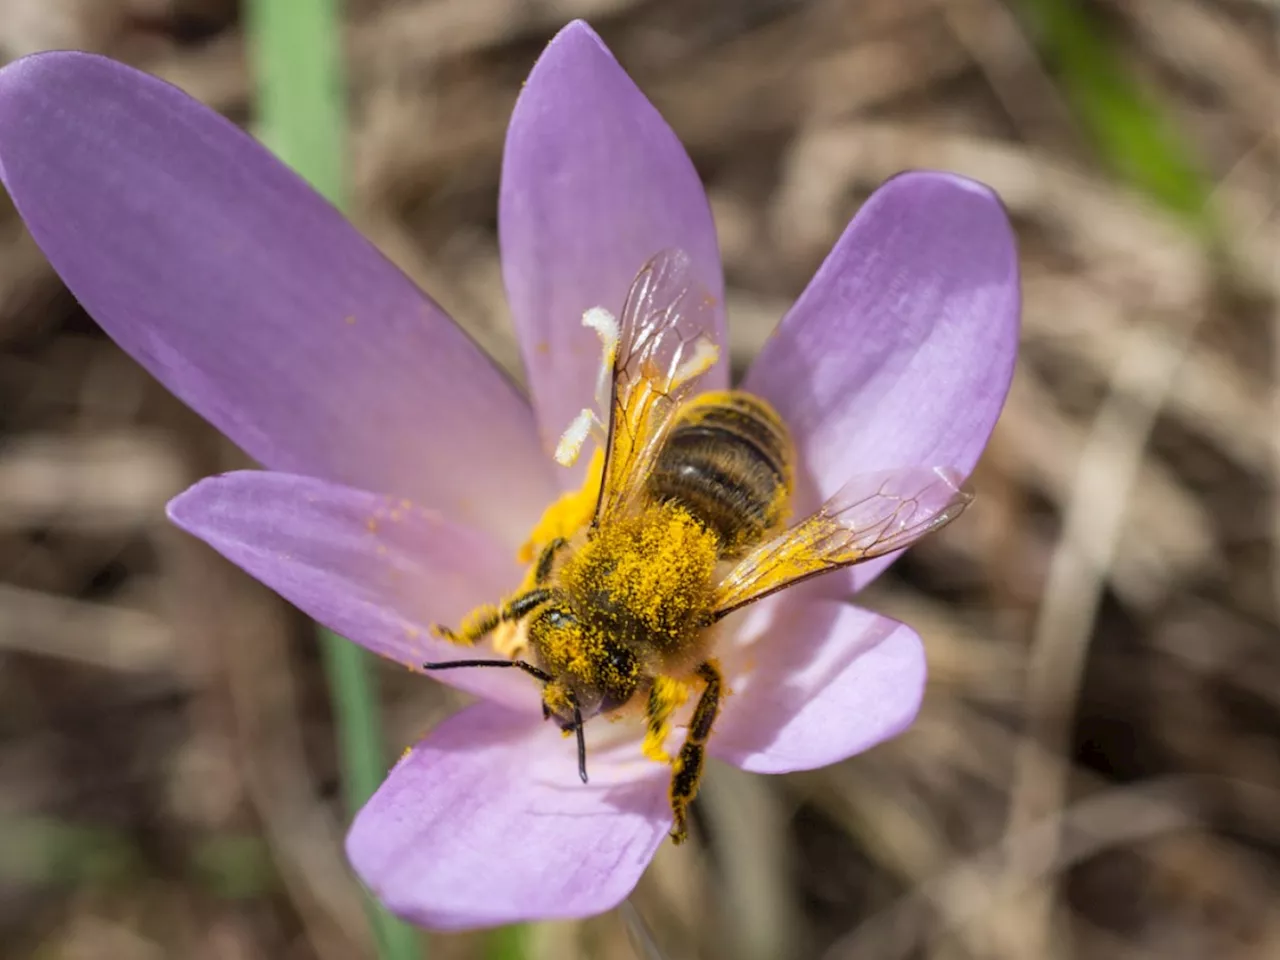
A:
[621,659]
[558,618]
[620,676]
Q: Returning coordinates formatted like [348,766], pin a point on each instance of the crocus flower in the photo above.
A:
[404,471]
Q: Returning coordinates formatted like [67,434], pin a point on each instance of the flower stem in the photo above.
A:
[296,49]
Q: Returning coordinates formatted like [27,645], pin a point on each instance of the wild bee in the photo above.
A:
[690,524]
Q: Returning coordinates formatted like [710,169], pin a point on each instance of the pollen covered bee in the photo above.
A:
[690,523]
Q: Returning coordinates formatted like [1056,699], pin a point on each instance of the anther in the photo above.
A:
[703,358]
[588,422]
[605,324]
[571,441]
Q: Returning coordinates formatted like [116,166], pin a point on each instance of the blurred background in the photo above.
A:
[1096,769]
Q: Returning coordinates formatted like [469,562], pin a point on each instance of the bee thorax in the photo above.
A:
[648,577]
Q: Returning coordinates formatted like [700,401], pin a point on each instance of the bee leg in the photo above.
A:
[484,620]
[687,770]
[542,571]
[666,696]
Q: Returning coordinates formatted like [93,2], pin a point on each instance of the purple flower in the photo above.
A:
[404,471]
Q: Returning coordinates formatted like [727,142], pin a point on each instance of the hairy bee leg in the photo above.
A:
[483,621]
[687,770]
[666,696]
[546,559]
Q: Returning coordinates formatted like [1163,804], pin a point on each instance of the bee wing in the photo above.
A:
[663,348]
[868,517]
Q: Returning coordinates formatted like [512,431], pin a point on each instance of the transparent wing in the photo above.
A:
[868,517]
[663,348]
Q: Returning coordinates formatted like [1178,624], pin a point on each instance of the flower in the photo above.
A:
[404,471]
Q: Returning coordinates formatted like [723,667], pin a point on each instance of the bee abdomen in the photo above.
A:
[728,461]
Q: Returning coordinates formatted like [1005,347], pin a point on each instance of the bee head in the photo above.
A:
[618,675]
[592,672]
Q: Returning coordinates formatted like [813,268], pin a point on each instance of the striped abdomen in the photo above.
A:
[728,461]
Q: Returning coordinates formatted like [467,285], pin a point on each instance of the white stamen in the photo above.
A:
[605,324]
[588,423]
[571,440]
[705,354]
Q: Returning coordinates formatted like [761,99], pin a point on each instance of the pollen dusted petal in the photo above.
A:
[379,571]
[594,184]
[900,352]
[823,681]
[254,300]
[486,822]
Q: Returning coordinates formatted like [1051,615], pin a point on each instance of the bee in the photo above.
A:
[690,524]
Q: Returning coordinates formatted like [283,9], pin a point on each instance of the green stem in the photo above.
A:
[361,747]
[296,48]
[1129,128]
[507,943]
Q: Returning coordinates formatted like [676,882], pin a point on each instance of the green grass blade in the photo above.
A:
[507,943]
[296,48]
[301,103]
[361,747]
[1130,130]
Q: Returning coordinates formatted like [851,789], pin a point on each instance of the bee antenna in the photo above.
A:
[528,668]
[582,744]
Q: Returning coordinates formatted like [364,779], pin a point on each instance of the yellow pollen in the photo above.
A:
[576,652]
[557,698]
[658,565]
[564,518]
[511,640]
[668,695]
[566,515]
[470,621]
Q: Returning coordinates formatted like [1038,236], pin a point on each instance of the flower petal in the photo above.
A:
[252,298]
[825,681]
[379,571]
[901,349]
[594,183]
[485,822]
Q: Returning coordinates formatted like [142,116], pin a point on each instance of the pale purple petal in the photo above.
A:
[486,822]
[901,350]
[594,183]
[253,299]
[822,682]
[378,570]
